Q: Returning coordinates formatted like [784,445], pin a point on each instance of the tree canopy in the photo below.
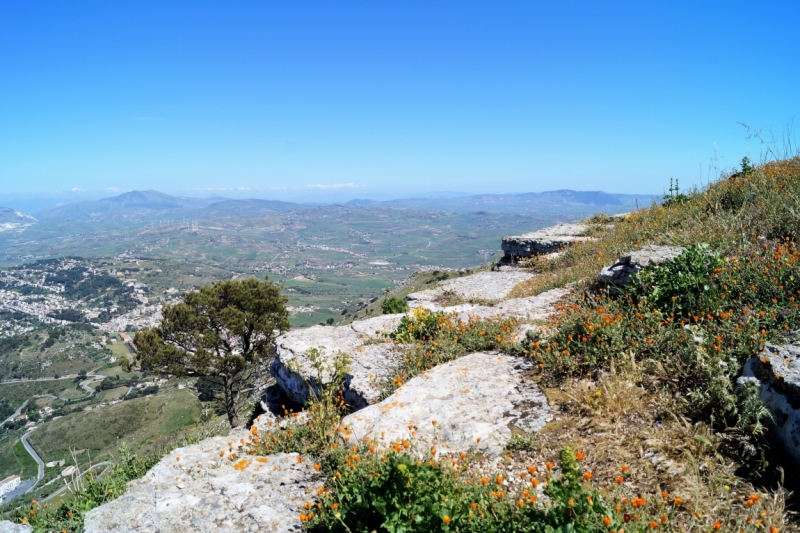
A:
[221,331]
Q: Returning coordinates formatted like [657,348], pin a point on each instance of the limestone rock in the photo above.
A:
[630,263]
[537,307]
[776,373]
[544,241]
[294,371]
[10,527]
[480,286]
[371,359]
[480,395]
[194,489]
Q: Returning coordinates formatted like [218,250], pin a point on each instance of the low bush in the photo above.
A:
[393,305]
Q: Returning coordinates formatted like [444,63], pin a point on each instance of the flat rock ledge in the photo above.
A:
[533,308]
[630,263]
[776,374]
[545,241]
[195,489]
[480,286]
[294,371]
[371,360]
[475,401]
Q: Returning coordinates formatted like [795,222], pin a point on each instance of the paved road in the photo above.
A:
[36,458]
[16,413]
[68,376]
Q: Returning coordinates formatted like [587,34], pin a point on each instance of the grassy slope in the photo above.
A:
[13,457]
[139,422]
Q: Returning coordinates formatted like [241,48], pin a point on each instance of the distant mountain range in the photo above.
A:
[147,205]
[562,200]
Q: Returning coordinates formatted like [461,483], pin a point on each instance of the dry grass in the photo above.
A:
[618,423]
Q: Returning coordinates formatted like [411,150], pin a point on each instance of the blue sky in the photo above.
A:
[270,99]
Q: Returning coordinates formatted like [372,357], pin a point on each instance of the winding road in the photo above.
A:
[36,458]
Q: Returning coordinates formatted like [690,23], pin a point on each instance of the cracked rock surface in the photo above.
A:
[371,359]
[776,374]
[480,286]
[481,395]
[195,489]
[292,368]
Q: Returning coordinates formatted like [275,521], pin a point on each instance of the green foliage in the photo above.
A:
[421,325]
[400,492]
[691,323]
[434,338]
[675,197]
[522,441]
[393,305]
[685,283]
[222,330]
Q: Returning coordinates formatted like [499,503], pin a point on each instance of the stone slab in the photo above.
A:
[630,263]
[205,492]
[480,395]
[545,241]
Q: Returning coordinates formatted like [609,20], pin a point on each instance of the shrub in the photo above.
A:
[421,325]
[682,284]
[394,305]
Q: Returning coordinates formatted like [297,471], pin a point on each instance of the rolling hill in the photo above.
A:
[134,204]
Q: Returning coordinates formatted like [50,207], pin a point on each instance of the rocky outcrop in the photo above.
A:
[294,370]
[488,286]
[470,403]
[545,241]
[630,263]
[371,357]
[198,488]
[776,374]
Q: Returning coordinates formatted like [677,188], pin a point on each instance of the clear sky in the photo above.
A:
[204,97]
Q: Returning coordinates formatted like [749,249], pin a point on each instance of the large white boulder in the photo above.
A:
[532,308]
[196,489]
[370,359]
[474,401]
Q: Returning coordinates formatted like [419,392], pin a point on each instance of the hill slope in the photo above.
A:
[11,219]
[129,204]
